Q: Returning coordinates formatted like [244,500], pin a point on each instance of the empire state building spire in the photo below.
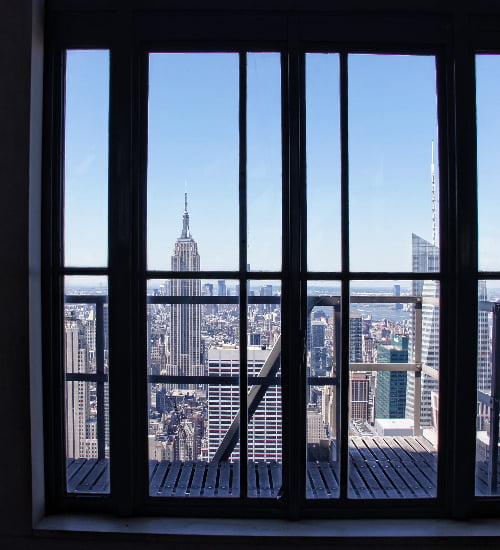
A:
[186,234]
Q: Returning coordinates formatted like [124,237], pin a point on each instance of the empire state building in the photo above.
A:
[185,329]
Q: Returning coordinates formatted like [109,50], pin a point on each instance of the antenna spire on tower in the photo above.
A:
[185,218]
[433,183]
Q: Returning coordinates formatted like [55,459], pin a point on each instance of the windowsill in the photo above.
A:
[63,525]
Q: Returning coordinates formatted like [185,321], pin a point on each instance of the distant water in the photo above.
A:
[377,311]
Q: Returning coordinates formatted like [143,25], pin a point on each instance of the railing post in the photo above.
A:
[99,360]
[417,397]
[495,409]
[336,328]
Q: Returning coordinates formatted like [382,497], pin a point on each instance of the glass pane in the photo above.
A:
[264,389]
[392,170]
[193,147]
[323,161]
[193,390]
[488,136]
[264,161]
[394,400]
[487,395]
[86,158]
[86,387]
[323,389]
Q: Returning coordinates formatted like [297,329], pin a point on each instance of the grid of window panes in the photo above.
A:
[84,325]
[393,325]
[195,333]
[213,366]
[488,289]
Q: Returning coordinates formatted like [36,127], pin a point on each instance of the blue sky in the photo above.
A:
[193,141]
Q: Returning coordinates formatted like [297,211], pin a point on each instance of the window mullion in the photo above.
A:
[342,437]
[294,426]
[463,234]
[243,436]
[122,323]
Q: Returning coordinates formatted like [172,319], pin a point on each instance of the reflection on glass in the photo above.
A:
[323,161]
[193,392]
[264,389]
[392,125]
[264,161]
[487,398]
[86,389]
[193,146]
[488,136]
[394,404]
[323,389]
[86,158]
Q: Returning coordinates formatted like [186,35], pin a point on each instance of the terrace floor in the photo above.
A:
[380,467]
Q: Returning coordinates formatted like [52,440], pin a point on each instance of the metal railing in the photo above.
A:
[268,373]
[492,400]
[100,377]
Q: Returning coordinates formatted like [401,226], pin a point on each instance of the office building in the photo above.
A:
[185,326]
[264,428]
[425,259]
[390,400]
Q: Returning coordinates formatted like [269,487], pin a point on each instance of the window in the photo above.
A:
[257,301]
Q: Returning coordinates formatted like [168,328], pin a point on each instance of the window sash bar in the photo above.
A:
[243,300]
[343,421]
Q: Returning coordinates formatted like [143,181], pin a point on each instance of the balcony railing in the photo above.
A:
[371,458]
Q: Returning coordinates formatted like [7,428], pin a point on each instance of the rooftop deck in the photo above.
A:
[380,467]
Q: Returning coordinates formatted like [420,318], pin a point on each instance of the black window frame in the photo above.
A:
[129,31]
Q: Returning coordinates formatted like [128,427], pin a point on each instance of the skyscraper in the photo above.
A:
[81,434]
[264,428]
[425,259]
[483,345]
[185,328]
[390,399]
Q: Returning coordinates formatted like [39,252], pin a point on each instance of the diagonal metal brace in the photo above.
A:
[268,371]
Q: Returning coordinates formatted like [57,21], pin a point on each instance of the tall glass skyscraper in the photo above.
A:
[425,259]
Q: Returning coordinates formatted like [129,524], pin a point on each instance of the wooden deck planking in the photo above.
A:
[252,479]
[169,486]
[421,470]
[157,479]
[318,486]
[182,486]
[330,478]
[235,482]
[78,479]
[379,467]
[264,482]
[275,469]
[224,474]
[197,481]
[91,481]
[309,487]
[73,465]
[211,480]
